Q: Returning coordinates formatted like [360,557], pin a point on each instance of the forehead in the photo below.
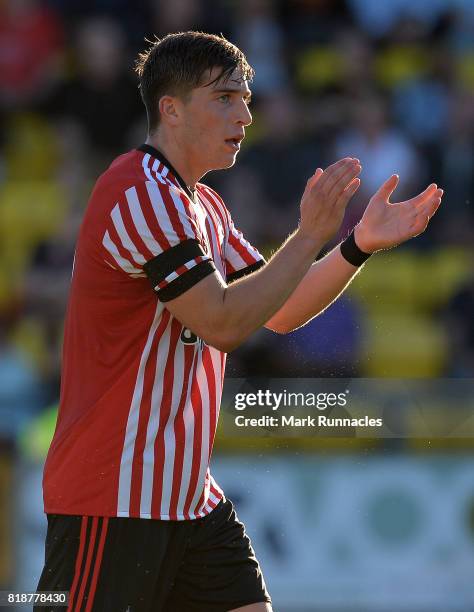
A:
[235,81]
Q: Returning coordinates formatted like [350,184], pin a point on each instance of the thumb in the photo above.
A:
[386,190]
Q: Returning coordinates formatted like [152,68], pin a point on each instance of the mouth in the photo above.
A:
[234,143]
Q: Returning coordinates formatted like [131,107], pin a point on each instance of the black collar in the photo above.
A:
[146,148]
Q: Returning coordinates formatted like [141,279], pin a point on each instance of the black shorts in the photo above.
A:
[145,565]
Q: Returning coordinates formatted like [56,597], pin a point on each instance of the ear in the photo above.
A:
[170,108]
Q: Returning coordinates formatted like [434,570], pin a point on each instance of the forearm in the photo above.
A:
[249,302]
[224,316]
[321,285]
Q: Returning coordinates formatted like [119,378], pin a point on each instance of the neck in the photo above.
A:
[176,155]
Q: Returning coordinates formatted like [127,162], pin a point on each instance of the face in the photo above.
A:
[213,122]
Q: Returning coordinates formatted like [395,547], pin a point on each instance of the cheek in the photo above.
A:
[200,132]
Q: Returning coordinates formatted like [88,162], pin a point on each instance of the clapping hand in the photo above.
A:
[385,224]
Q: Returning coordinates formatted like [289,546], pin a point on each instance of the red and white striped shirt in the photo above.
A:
[140,394]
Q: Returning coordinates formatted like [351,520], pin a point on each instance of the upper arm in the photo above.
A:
[151,232]
[200,309]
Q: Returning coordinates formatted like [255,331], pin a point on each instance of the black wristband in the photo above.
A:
[351,252]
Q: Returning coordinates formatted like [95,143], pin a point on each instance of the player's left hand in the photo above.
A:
[385,224]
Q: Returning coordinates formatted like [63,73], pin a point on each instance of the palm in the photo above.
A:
[385,224]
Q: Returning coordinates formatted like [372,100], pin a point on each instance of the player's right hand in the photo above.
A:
[325,199]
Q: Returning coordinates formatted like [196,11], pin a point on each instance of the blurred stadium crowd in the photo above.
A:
[389,82]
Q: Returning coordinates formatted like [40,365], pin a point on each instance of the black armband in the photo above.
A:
[177,269]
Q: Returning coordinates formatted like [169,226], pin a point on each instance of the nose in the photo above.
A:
[244,116]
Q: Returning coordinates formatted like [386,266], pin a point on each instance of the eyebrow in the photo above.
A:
[248,94]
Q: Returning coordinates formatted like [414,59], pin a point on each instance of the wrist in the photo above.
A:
[307,242]
[352,252]
[361,240]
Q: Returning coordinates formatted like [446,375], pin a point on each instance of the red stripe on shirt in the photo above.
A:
[153,217]
[217,204]
[180,435]
[229,268]
[133,232]
[212,207]
[173,214]
[144,417]
[240,248]
[215,492]
[165,410]
[123,252]
[201,501]
[196,403]
[211,385]
[214,233]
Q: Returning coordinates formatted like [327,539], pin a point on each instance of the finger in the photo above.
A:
[331,179]
[424,215]
[333,169]
[424,195]
[348,192]
[429,208]
[314,178]
[338,164]
[386,190]
[420,224]
[344,180]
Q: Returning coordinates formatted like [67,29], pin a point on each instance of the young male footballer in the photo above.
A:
[163,286]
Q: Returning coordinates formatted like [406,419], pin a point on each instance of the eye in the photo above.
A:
[224,98]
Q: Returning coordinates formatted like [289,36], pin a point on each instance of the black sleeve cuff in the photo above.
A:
[244,271]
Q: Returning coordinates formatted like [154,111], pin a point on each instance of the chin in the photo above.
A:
[229,162]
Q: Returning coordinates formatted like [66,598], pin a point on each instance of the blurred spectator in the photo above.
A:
[357,55]
[457,162]
[383,150]
[20,390]
[32,201]
[309,22]
[260,34]
[136,14]
[31,39]
[186,15]
[459,321]
[410,104]
[46,291]
[377,18]
[102,96]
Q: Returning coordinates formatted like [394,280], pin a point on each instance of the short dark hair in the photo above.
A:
[175,64]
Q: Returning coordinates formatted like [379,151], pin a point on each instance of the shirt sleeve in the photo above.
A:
[152,232]
[241,257]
